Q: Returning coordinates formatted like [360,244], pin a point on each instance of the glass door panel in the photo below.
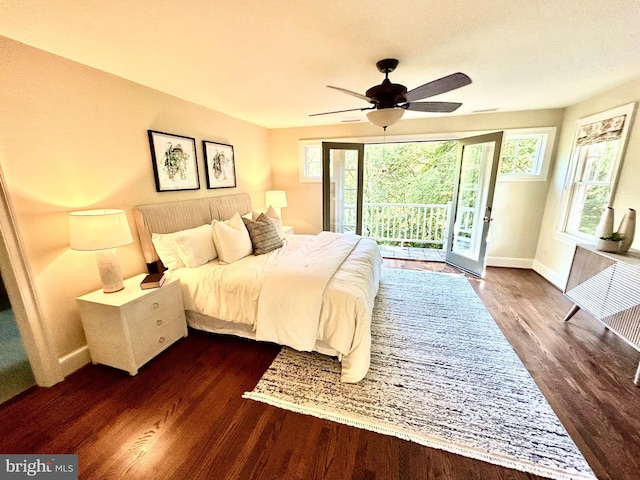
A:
[342,176]
[472,202]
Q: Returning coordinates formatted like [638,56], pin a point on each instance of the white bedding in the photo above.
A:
[291,297]
[231,292]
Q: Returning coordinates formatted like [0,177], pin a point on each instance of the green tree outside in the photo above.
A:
[415,172]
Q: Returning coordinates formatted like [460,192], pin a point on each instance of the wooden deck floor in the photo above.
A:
[412,253]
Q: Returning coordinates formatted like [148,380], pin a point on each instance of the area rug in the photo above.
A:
[442,375]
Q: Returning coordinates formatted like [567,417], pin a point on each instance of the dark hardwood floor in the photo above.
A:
[183,415]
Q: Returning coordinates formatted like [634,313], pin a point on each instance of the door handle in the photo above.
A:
[487,219]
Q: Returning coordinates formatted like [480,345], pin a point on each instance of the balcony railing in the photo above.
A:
[406,222]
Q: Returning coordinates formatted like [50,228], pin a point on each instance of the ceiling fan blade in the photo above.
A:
[436,87]
[437,107]
[342,111]
[355,94]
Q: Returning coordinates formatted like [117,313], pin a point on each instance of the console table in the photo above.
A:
[607,285]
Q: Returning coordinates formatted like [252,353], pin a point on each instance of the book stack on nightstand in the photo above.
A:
[128,328]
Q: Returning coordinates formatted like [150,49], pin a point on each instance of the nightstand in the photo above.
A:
[128,328]
[288,229]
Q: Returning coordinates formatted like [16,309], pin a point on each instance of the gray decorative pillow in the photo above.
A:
[263,234]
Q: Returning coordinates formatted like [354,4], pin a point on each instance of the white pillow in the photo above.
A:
[277,221]
[231,239]
[195,246]
[167,250]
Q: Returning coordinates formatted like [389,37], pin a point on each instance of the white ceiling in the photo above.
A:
[269,61]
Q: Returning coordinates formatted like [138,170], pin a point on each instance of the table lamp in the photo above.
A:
[276,199]
[101,231]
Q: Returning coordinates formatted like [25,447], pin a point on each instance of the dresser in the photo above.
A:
[128,328]
[607,285]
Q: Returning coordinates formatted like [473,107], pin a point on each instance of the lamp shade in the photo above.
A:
[98,229]
[384,117]
[276,198]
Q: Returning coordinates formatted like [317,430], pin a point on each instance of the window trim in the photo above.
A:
[572,169]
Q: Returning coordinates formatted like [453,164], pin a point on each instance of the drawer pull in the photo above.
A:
[156,305]
[158,322]
[161,340]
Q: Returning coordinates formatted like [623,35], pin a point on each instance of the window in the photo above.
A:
[526,154]
[595,162]
[310,161]
[521,155]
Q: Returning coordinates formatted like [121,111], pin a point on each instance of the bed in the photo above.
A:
[314,293]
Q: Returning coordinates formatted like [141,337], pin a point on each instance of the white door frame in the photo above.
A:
[22,295]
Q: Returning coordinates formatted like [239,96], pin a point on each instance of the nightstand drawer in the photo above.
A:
[148,341]
[156,322]
[143,315]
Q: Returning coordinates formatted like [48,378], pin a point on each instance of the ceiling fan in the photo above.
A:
[390,100]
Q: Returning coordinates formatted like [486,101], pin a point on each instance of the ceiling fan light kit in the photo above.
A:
[390,100]
[385,117]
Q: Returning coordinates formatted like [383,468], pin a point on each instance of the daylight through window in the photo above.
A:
[522,155]
[594,167]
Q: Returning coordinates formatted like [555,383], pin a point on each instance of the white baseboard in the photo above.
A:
[558,280]
[74,360]
[510,262]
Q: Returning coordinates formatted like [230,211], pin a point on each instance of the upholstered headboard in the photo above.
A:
[171,217]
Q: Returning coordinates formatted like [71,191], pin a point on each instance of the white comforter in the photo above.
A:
[291,297]
[231,293]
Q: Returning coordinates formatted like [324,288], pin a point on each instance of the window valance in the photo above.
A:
[602,131]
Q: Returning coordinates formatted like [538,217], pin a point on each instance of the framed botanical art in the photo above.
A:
[175,165]
[220,165]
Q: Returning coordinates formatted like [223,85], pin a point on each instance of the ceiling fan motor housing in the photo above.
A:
[387,94]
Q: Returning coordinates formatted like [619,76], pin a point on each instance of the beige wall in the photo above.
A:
[554,255]
[518,206]
[73,138]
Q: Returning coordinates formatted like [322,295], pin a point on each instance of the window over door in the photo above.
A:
[595,163]
[526,154]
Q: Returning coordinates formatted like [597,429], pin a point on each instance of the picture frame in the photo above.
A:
[175,164]
[220,165]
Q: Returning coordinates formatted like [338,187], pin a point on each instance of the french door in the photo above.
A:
[470,214]
[342,180]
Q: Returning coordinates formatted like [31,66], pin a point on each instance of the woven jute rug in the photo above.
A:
[442,375]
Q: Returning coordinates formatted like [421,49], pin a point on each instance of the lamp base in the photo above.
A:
[109,268]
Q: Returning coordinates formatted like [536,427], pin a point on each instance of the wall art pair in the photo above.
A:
[175,165]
